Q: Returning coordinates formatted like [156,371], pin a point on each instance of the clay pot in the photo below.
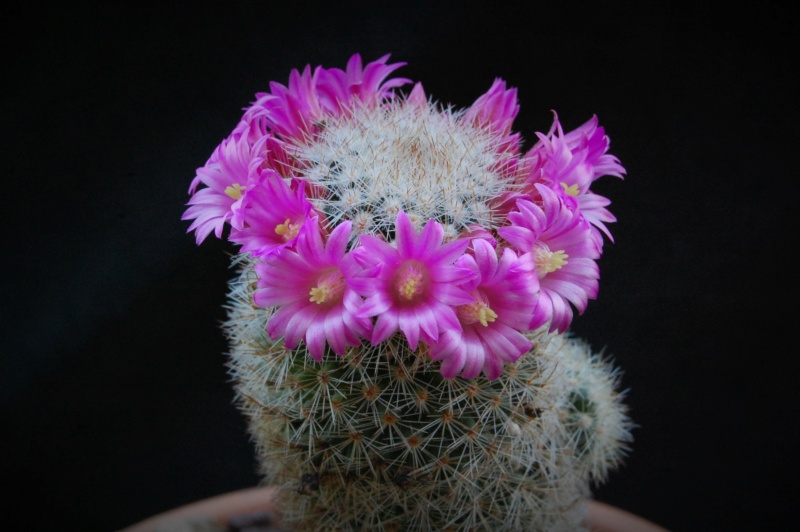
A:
[257,504]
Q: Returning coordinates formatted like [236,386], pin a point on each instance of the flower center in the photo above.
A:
[571,190]
[410,282]
[329,289]
[477,312]
[234,191]
[288,230]
[548,261]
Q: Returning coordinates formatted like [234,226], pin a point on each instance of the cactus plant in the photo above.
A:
[399,315]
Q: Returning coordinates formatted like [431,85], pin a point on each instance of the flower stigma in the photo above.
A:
[548,261]
[329,289]
[570,190]
[476,312]
[234,191]
[410,281]
[288,230]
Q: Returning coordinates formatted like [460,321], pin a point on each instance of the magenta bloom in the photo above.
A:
[591,142]
[570,163]
[366,86]
[592,139]
[274,215]
[496,110]
[415,286]
[293,112]
[505,293]
[309,287]
[290,111]
[226,176]
[564,254]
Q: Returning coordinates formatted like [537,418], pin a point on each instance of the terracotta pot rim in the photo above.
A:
[600,517]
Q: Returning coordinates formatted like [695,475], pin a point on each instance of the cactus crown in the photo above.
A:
[416,158]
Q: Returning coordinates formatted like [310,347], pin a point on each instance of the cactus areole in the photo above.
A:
[398,318]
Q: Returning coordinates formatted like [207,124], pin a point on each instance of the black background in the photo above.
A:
[115,400]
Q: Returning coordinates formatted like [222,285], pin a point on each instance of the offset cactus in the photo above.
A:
[399,317]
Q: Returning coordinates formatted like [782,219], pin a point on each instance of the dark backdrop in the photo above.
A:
[115,400]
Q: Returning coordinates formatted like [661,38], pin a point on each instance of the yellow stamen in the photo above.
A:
[486,315]
[288,230]
[409,287]
[329,289]
[477,312]
[234,191]
[549,261]
[318,294]
[571,190]
[410,281]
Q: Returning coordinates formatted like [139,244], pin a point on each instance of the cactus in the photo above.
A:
[398,318]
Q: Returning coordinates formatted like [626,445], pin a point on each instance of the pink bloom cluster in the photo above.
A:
[471,299]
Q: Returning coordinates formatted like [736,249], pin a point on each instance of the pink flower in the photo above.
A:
[271,129]
[413,287]
[367,86]
[255,128]
[294,112]
[570,163]
[592,139]
[289,112]
[226,176]
[496,111]
[504,295]
[564,253]
[274,215]
[309,285]
[417,97]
